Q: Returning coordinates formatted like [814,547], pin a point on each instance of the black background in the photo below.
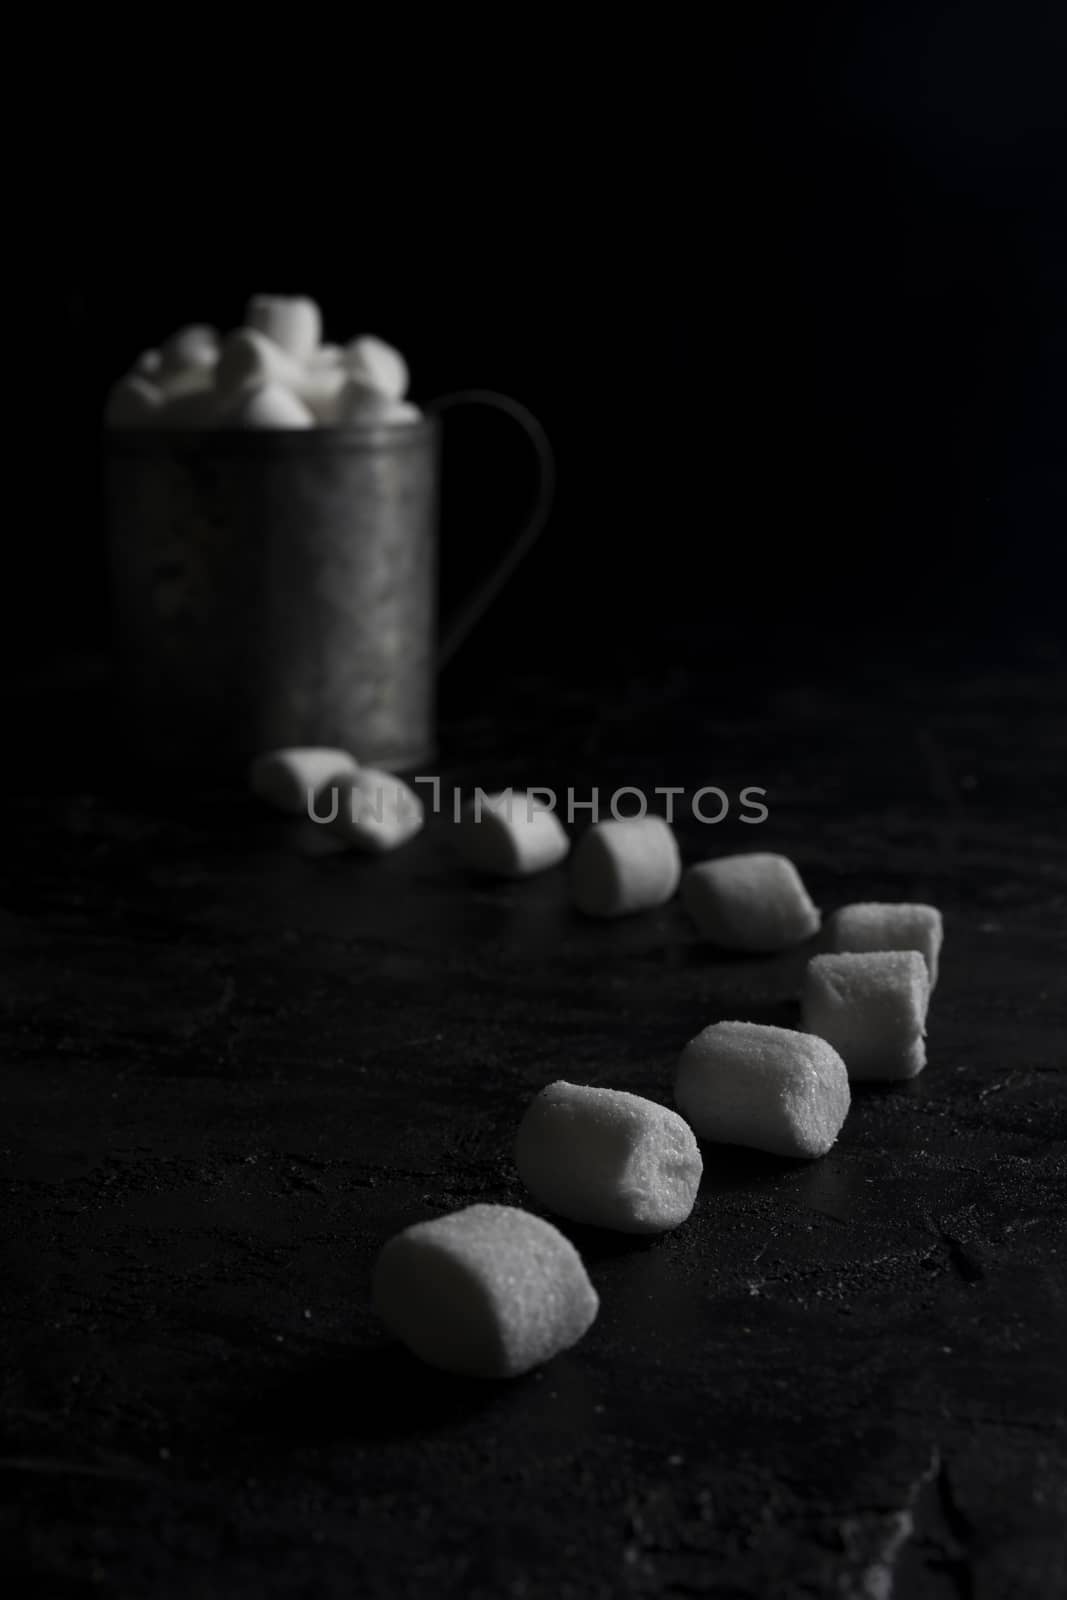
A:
[790,299]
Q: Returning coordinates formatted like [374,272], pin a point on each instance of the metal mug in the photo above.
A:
[276,588]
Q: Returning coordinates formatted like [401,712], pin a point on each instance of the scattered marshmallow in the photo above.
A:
[771,1088]
[624,866]
[288,778]
[377,366]
[872,925]
[134,402]
[754,901]
[292,322]
[489,1291]
[147,364]
[872,1008]
[268,405]
[373,811]
[609,1158]
[510,835]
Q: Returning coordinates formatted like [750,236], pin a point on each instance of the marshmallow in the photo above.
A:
[268,405]
[872,1008]
[320,389]
[196,347]
[373,811]
[748,1083]
[377,366]
[133,403]
[510,835]
[147,364]
[871,925]
[489,1291]
[292,322]
[288,778]
[247,358]
[624,866]
[359,405]
[609,1158]
[753,902]
[327,355]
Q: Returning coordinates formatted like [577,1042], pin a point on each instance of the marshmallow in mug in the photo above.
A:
[489,1291]
[377,366]
[608,1158]
[267,405]
[292,322]
[134,402]
[624,866]
[358,405]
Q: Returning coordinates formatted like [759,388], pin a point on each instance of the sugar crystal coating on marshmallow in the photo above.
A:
[289,777]
[510,835]
[374,812]
[489,1291]
[625,866]
[608,1158]
[755,902]
[772,1088]
[871,1007]
[877,925]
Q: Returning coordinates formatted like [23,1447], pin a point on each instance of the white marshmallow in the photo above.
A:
[375,811]
[247,358]
[293,322]
[872,1008]
[510,835]
[754,901]
[609,1158]
[771,1088]
[489,1291]
[320,389]
[196,347]
[625,866]
[289,778]
[268,405]
[873,925]
[377,366]
[327,355]
[147,364]
[133,403]
[357,405]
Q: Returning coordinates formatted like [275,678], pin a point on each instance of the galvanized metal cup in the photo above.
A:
[279,588]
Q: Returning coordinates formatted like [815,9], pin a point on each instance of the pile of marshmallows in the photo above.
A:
[491,1291]
[272,372]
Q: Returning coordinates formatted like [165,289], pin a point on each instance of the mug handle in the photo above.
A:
[471,611]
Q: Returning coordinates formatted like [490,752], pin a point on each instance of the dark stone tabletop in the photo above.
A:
[232,1072]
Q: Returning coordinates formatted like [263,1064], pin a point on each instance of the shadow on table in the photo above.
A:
[377,1393]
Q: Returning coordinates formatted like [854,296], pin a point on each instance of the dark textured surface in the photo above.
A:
[231,1072]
